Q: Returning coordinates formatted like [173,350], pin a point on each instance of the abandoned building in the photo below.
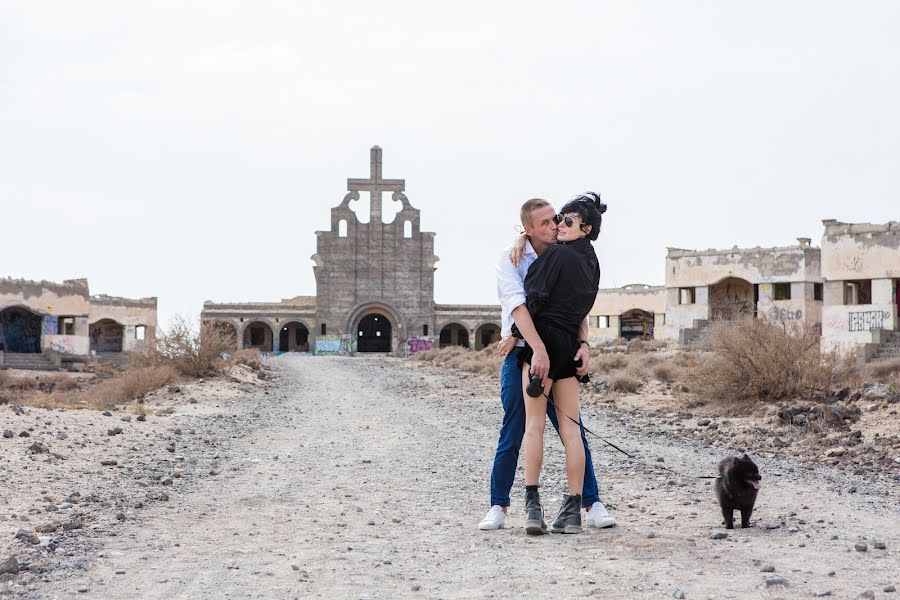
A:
[707,285]
[44,324]
[861,272]
[630,312]
[374,288]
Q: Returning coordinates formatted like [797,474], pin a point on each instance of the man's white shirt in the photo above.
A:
[511,286]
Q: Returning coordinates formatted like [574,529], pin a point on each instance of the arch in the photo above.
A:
[636,324]
[373,333]
[453,334]
[226,333]
[366,308]
[407,229]
[732,298]
[293,337]
[20,330]
[486,334]
[342,228]
[107,335]
[258,334]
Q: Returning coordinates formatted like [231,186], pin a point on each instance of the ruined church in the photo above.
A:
[374,288]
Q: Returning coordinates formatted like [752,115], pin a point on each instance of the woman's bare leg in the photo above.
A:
[535,418]
[565,397]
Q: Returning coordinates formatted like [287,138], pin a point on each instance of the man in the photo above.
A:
[540,228]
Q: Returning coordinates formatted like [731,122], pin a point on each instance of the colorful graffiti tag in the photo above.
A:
[333,346]
[419,344]
[50,325]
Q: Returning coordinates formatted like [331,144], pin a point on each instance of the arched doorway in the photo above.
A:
[454,334]
[107,335]
[225,333]
[486,335]
[258,335]
[731,298]
[373,334]
[20,330]
[294,337]
[636,324]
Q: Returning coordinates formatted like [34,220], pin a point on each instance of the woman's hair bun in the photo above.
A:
[595,198]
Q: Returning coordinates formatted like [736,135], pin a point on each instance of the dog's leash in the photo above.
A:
[631,456]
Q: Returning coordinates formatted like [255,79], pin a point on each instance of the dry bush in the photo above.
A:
[485,361]
[249,356]
[66,384]
[16,382]
[884,370]
[190,352]
[607,363]
[619,342]
[106,393]
[637,345]
[665,373]
[768,359]
[622,382]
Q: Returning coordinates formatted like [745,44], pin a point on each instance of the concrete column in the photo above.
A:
[833,293]
[615,326]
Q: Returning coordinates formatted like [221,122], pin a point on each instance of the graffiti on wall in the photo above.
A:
[333,345]
[786,314]
[419,344]
[63,344]
[869,320]
[50,325]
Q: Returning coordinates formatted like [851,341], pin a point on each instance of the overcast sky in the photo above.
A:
[190,150]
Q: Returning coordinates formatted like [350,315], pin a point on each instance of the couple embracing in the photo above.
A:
[547,284]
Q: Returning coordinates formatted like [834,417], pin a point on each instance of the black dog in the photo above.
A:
[736,488]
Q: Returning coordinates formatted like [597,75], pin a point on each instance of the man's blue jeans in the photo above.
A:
[512,432]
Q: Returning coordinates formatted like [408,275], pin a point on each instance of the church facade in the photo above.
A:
[374,289]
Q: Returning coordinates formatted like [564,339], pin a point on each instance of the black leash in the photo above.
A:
[631,456]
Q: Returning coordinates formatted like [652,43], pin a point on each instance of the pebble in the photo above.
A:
[295,567]
[880,546]
[767,569]
[770,581]
[679,594]
[64,505]
[890,589]
[10,565]
[718,535]
[120,516]
[821,593]
[24,434]
[7,433]
[108,463]
[114,431]
[141,418]
[415,587]
[703,422]
[866,595]
[861,547]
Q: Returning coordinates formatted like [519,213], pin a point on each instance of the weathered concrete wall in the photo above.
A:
[128,312]
[723,282]
[46,298]
[613,303]
[861,253]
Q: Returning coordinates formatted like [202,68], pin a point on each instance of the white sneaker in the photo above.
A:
[494,519]
[599,517]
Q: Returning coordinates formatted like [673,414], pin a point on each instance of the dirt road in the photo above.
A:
[365,478]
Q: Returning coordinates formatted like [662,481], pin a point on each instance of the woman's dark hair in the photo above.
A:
[590,208]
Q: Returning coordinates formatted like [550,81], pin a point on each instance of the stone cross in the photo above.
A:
[375,185]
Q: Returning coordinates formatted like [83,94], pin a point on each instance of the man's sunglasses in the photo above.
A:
[569,221]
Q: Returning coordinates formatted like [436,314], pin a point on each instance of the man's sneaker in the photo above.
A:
[599,517]
[494,519]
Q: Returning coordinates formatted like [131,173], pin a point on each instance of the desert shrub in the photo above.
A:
[16,382]
[665,373]
[131,384]
[768,359]
[65,384]
[607,363]
[191,352]
[249,356]
[619,342]
[884,369]
[637,345]
[485,361]
[622,382]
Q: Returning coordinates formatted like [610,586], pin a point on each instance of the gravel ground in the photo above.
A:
[366,478]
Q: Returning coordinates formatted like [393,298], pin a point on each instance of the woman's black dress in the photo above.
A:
[560,289]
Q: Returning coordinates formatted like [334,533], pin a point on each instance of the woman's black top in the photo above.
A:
[560,289]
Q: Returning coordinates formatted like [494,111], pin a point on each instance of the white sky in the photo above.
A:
[189,150]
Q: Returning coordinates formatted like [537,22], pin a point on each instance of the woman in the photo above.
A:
[560,289]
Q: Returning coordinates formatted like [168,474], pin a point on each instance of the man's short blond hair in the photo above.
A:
[529,207]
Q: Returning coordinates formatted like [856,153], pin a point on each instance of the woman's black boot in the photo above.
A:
[534,512]
[569,518]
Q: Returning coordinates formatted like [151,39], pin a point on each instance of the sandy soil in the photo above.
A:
[365,478]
